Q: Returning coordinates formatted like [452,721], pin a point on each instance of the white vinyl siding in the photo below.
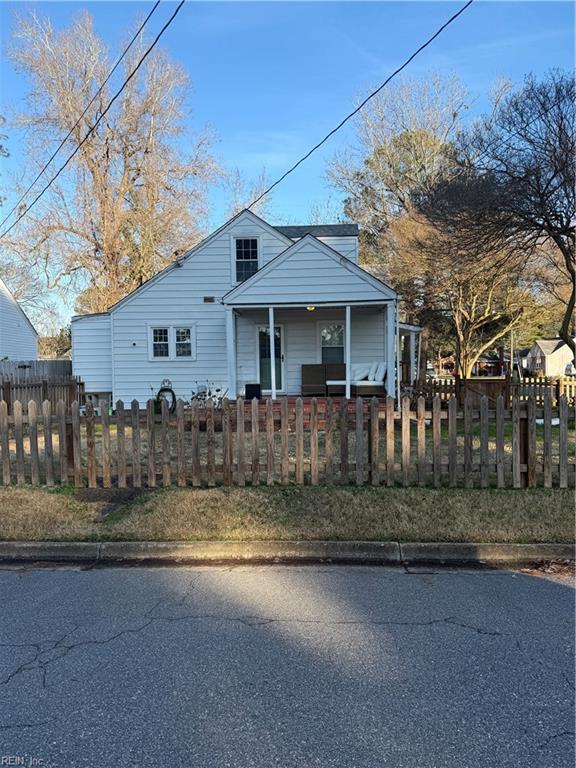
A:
[308,274]
[18,340]
[91,352]
[177,300]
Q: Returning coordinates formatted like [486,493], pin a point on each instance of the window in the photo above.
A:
[160,344]
[172,342]
[183,342]
[246,258]
[332,343]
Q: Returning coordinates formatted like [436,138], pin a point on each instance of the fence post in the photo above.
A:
[374,441]
[136,450]
[531,443]
[547,448]
[421,439]
[344,463]
[390,441]
[240,442]
[5,442]
[151,443]
[7,394]
[484,468]
[405,441]
[90,445]
[48,452]
[314,441]
[180,452]
[468,479]
[436,441]
[453,441]
[500,441]
[121,443]
[329,442]
[76,444]
[33,438]
[269,441]
[359,441]
[255,437]
[563,442]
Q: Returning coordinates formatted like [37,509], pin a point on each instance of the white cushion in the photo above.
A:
[360,372]
[373,369]
[379,376]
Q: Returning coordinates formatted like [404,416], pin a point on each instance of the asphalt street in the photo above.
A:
[256,667]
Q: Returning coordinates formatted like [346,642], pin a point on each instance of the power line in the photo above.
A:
[363,103]
[103,114]
[92,100]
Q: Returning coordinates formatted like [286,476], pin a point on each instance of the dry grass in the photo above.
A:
[35,515]
[292,513]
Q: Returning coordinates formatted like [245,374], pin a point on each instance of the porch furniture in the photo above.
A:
[314,380]
[336,379]
[253,391]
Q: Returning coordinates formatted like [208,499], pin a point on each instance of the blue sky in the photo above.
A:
[273,78]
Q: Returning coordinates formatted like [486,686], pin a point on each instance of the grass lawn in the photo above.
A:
[410,514]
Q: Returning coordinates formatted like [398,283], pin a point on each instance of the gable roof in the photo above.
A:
[8,293]
[320,230]
[549,346]
[188,254]
[280,282]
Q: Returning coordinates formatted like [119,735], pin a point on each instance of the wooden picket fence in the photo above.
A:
[313,441]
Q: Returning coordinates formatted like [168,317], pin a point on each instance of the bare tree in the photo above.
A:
[241,192]
[479,294]
[405,146]
[133,197]
[515,190]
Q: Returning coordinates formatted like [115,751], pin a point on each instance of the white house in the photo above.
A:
[18,337]
[549,357]
[210,315]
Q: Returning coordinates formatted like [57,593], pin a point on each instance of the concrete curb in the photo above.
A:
[359,552]
[484,554]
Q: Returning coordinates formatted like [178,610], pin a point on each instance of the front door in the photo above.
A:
[264,357]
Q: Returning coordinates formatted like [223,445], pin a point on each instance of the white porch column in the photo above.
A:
[347,335]
[412,357]
[398,359]
[272,353]
[231,353]
[390,351]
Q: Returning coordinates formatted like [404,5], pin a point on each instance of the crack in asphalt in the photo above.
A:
[554,736]
[49,652]
[18,726]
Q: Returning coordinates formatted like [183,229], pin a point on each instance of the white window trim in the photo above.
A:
[319,324]
[171,342]
[233,238]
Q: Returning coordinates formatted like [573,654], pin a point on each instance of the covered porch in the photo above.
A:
[312,306]
[279,347]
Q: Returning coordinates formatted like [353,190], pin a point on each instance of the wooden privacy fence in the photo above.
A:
[317,442]
[58,388]
[535,386]
[35,369]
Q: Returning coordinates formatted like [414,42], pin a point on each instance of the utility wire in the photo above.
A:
[363,103]
[93,128]
[76,124]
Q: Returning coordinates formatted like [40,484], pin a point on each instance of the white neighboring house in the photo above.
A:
[210,315]
[549,356]
[18,337]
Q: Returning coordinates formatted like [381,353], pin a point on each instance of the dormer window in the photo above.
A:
[246,258]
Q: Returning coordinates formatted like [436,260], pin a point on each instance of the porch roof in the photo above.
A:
[309,273]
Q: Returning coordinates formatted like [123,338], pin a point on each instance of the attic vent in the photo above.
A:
[209,299]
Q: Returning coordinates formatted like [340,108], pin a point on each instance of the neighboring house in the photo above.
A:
[209,316]
[18,337]
[549,357]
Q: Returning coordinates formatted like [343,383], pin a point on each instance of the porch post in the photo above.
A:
[347,334]
[390,362]
[272,353]
[398,359]
[412,357]
[231,353]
